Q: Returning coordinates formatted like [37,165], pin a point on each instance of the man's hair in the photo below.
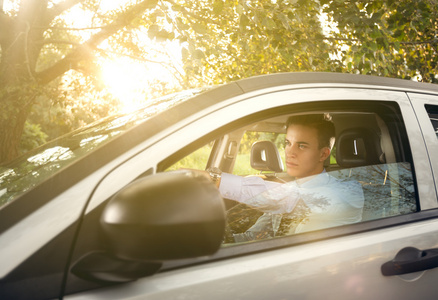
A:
[321,122]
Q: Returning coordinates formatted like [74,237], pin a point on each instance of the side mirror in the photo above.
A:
[166,216]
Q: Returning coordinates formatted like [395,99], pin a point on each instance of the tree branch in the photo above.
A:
[431,41]
[84,51]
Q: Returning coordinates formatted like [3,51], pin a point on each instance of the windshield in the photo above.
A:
[35,166]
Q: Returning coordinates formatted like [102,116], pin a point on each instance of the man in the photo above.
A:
[329,202]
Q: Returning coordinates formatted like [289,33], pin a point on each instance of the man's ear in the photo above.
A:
[325,152]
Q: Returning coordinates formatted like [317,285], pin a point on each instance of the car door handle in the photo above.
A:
[410,260]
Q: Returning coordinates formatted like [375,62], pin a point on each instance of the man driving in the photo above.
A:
[329,201]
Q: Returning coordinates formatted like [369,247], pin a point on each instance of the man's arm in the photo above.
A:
[266,196]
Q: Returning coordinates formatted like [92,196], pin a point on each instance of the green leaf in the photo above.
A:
[151,4]
[153,31]
[198,54]
[184,53]
[218,7]
[199,28]
[244,21]
[269,23]
[284,20]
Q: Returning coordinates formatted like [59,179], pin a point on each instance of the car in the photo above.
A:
[117,210]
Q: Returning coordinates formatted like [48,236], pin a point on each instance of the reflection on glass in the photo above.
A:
[370,192]
[432,111]
[39,164]
[50,155]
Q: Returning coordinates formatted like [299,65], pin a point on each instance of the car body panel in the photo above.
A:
[341,268]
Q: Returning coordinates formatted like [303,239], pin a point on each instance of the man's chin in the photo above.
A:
[293,173]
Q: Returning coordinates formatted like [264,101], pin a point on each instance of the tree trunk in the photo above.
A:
[12,123]
[21,39]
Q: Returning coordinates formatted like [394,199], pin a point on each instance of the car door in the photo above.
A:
[335,263]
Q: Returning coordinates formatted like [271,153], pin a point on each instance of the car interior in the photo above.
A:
[370,148]
[361,139]
[364,151]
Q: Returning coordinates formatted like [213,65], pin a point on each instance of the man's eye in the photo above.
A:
[286,143]
[302,146]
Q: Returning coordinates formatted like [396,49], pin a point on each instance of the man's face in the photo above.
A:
[303,155]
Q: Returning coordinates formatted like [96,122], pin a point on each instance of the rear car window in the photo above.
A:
[432,111]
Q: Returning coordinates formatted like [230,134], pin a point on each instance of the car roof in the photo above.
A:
[322,78]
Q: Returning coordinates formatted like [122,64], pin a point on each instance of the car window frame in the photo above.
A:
[428,135]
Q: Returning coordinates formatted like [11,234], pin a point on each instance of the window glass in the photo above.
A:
[196,160]
[363,178]
[337,198]
[242,165]
[37,165]
[432,111]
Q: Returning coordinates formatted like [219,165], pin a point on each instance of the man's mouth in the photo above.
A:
[291,164]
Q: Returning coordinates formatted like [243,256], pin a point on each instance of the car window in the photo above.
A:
[339,198]
[242,165]
[432,111]
[195,160]
[368,176]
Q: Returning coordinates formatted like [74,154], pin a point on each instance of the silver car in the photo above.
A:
[116,211]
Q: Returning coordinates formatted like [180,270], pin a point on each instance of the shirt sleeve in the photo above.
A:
[243,188]
[266,196]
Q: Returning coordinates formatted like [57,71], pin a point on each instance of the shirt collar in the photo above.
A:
[314,181]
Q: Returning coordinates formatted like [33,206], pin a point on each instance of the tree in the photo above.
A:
[393,38]
[37,48]
[25,73]
[237,39]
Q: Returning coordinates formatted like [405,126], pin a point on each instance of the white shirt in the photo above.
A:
[330,201]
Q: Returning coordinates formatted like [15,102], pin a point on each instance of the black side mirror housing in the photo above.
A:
[171,215]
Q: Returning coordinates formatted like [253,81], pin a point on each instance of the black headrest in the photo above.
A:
[357,147]
[265,157]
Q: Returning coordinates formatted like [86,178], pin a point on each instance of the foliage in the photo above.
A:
[230,40]
[386,37]
[196,160]
[79,104]
[32,137]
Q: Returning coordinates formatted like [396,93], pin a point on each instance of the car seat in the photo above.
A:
[358,147]
[266,158]
[359,154]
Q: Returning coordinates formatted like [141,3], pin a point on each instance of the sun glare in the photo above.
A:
[130,81]
[125,81]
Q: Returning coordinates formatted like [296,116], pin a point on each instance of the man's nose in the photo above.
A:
[291,151]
